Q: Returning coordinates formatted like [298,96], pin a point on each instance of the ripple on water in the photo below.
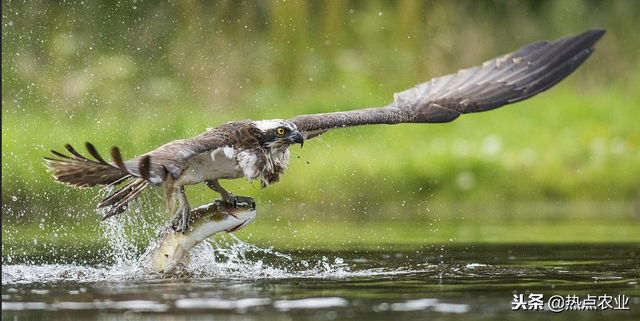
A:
[311,303]
[131,305]
[413,305]
[232,277]
[219,304]
[423,304]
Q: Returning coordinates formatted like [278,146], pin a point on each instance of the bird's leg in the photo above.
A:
[168,194]
[186,210]
[180,221]
[227,196]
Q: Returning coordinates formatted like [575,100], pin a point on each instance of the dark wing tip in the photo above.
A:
[94,152]
[49,159]
[593,35]
[58,154]
[597,32]
[74,152]
[71,149]
[117,158]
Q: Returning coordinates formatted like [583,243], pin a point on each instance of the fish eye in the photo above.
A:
[280,131]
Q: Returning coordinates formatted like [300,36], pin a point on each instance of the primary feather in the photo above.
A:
[497,82]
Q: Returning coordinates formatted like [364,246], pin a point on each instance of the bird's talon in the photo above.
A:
[186,216]
[180,221]
[175,221]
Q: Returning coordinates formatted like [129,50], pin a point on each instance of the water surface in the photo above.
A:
[233,280]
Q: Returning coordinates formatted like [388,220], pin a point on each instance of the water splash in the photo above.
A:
[121,248]
[221,256]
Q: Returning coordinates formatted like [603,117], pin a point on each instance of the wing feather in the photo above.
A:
[172,158]
[151,167]
[510,78]
[92,150]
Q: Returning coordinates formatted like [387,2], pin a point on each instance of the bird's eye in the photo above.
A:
[280,131]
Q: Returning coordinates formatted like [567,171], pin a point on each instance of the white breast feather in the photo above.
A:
[227,151]
[279,158]
[248,159]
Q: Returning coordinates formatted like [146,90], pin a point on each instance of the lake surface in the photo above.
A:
[232,280]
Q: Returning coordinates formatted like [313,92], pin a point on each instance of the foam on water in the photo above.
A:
[223,257]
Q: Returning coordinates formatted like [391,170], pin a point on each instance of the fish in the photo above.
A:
[170,249]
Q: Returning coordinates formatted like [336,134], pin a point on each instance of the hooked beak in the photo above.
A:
[297,138]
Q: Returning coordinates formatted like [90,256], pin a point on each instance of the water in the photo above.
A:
[231,280]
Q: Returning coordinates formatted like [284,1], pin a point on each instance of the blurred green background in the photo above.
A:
[563,166]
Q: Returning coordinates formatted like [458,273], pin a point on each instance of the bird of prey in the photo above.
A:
[259,149]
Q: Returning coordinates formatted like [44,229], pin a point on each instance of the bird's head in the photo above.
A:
[278,133]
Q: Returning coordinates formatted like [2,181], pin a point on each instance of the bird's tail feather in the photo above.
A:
[79,171]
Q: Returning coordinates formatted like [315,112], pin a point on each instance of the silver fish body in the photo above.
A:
[171,248]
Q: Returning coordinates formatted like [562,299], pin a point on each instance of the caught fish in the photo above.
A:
[171,248]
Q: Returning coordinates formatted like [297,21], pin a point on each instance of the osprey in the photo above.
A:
[260,149]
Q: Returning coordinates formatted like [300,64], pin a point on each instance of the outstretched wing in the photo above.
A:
[503,80]
[152,167]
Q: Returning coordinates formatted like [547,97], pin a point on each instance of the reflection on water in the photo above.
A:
[230,278]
